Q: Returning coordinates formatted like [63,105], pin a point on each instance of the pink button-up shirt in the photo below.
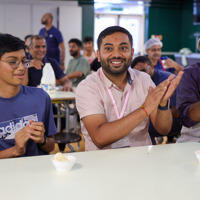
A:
[92,98]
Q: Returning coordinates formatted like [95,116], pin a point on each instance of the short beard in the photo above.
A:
[106,67]
[74,54]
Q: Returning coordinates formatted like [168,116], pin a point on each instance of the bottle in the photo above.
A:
[48,81]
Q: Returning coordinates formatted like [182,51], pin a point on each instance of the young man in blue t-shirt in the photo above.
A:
[26,119]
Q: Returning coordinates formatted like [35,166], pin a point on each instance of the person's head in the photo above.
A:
[115,50]
[13,62]
[47,19]
[74,47]
[88,43]
[38,47]
[27,42]
[153,48]
[142,63]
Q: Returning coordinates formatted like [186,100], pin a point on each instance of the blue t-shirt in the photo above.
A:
[160,67]
[53,38]
[29,104]
[35,75]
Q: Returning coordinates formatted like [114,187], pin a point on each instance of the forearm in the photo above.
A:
[193,112]
[9,153]
[76,74]
[110,132]
[163,122]
[178,68]
[50,144]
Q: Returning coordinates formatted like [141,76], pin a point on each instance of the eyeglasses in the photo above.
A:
[145,69]
[15,63]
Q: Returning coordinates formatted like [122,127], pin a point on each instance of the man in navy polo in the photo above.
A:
[54,40]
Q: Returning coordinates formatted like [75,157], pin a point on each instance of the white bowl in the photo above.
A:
[197,153]
[64,166]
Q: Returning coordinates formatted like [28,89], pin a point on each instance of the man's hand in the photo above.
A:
[171,88]
[67,86]
[160,94]
[36,63]
[172,64]
[36,131]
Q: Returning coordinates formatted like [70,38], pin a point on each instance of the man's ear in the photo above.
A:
[98,55]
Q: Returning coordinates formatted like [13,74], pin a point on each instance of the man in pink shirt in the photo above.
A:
[116,102]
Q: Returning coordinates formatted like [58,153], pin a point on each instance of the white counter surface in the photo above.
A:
[167,172]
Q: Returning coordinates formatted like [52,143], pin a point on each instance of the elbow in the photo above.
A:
[99,143]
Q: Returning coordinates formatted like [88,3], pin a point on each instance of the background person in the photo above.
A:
[26,119]
[115,102]
[88,48]
[188,103]
[38,55]
[54,40]
[78,67]
[153,48]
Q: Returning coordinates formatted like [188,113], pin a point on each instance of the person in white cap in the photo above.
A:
[153,48]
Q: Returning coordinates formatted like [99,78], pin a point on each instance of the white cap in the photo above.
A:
[153,41]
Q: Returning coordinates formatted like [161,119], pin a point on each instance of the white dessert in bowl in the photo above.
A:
[63,163]
[197,153]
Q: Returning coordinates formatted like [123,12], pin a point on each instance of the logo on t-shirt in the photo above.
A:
[8,129]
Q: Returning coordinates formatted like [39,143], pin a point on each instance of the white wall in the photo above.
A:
[20,18]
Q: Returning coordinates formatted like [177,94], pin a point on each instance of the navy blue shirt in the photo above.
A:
[29,104]
[53,38]
[35,75]
[159,65]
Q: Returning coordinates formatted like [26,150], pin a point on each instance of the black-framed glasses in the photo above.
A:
[15,63]
[145,69]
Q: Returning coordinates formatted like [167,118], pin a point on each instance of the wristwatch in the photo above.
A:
[45,141]
[165,107]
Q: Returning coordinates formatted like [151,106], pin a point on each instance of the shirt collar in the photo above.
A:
[108,83]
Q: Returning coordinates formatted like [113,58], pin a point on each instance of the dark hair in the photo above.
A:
[76,41]
[10,43]
[110,30]
[37,37]
[140,59]
[27,36]
[88,39]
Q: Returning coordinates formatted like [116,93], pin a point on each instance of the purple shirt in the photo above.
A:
[188,93]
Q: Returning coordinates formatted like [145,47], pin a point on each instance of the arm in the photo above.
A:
[162,120]
[76,74]
[62,47]
[66,83]
[19,149]
[34,63]
[172,64]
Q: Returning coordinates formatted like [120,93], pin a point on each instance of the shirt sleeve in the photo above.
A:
[187,94]
[57,69]
[59,37]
